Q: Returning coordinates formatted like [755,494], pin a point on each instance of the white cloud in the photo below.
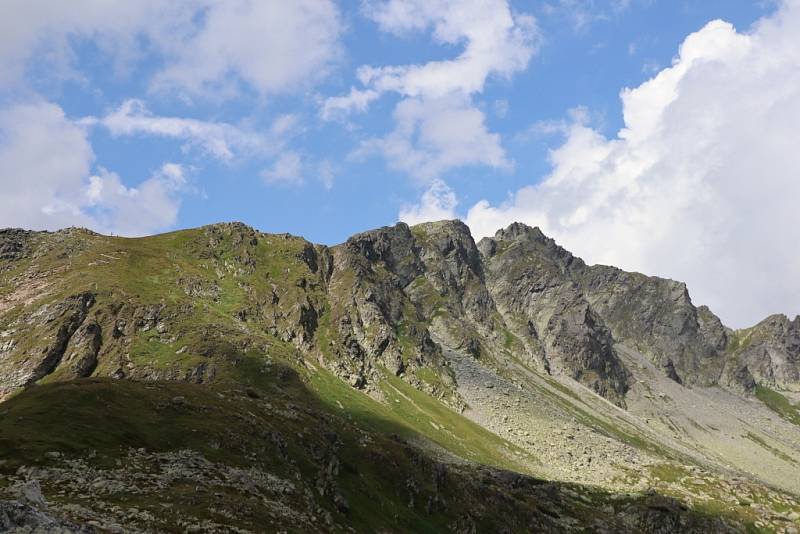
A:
[44,159]
[340,106]
[45,165]
[438,203]
[272,46]
[701,184]
[583,13]
[501,108]
[438,125]
[496,42]
[433,136]
[220,140]
[208,47]
[140,210]
[286,170]
[46,29]
[327,174]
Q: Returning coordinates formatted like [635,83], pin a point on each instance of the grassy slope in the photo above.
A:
[169,271]
[225,425]
[155,270]
[235,426]
[779,404]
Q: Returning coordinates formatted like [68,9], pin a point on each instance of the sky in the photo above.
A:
[659,136]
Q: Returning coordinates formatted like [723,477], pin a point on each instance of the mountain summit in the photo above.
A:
[409,379]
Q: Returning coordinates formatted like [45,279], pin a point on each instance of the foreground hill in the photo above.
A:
[406,380]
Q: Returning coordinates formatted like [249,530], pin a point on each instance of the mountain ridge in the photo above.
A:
[573,316]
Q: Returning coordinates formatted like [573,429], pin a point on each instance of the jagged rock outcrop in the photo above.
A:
[372,315]
[531,282]
[54,326]
[770,351]
[451,291]
[652,315]
[14,243]
[80,356]
[656,317]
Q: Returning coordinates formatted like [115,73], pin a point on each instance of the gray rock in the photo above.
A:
[30,493]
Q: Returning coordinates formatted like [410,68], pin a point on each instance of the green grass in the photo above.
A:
[431,378]
[239,273]
[668,472]
[509,339]
[414,414]
[232,425]
[777,452]
[740,340]
[778,404]
[454,432]
[225,424]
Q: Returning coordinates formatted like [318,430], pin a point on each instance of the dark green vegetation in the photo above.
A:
[779,404]
[328,470]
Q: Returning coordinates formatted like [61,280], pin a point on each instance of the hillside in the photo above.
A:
[409,379]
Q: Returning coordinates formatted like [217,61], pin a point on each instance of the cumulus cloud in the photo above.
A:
[272,46]
[48,29]
[220,140]
[435,135]
[44,159]
[151,205]
[438,125]
[702,182]
[45,175]
[438,203]
[495,40]
[207,47]
[197,48]
[340,106]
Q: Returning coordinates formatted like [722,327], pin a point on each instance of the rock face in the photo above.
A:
[376,321]
[451,291]
[55,325]
[770,352]
[531,280]
[605,305]
[13,243]
[657,317]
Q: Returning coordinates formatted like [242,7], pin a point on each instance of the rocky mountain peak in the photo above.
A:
[12,243]
[392,245]
[528,242]
[518,230]
[450,244]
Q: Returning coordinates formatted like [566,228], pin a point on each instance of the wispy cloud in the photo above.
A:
[286,170]
[220,140]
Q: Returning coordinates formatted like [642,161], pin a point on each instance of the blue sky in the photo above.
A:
[324,118]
